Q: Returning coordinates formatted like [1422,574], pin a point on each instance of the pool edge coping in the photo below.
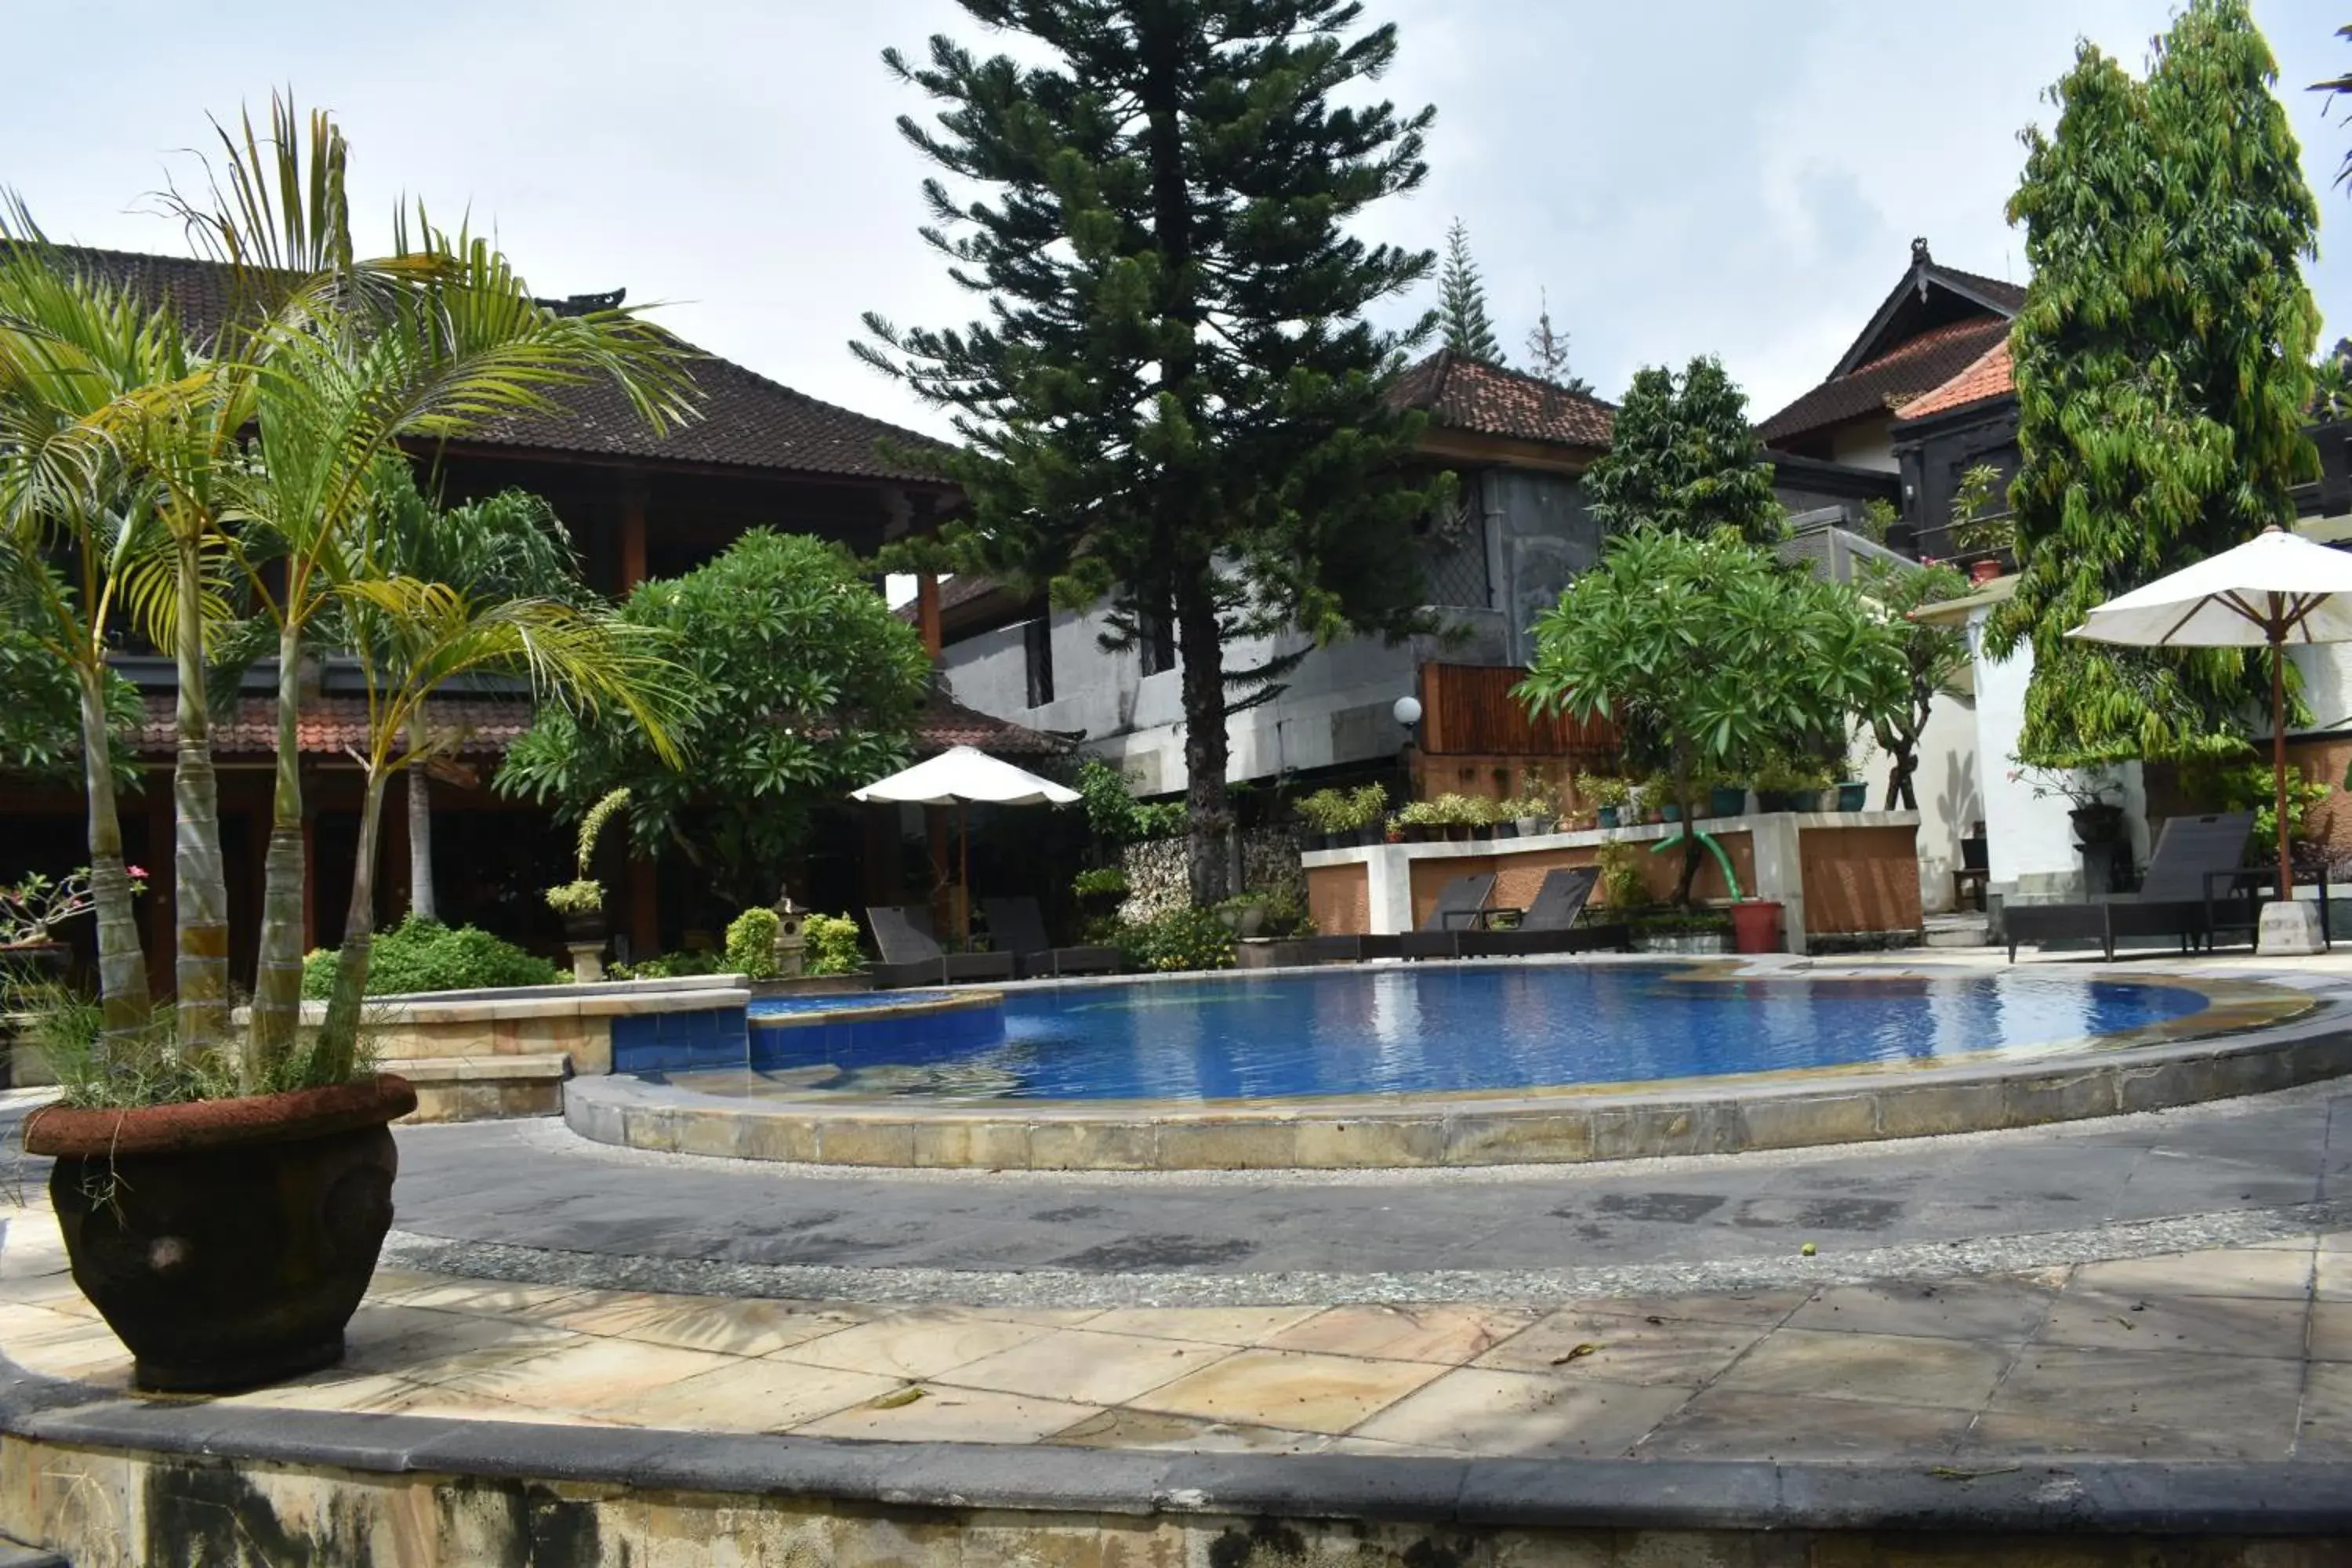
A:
[1443,1130]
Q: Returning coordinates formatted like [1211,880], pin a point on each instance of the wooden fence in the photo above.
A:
[1468,709]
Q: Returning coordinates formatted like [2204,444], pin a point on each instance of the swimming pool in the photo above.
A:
[1430,1029]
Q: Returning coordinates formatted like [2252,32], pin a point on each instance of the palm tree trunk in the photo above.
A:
[338,1034]
[420,832]
[122,963]
[277,973]
[200,968]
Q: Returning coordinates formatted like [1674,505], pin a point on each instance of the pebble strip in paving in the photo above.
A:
[2231,1353]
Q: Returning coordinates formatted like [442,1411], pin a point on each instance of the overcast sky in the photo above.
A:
[1682,177]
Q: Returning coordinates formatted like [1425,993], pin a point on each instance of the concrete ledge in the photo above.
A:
[83,1470]
[1713,1116]
[474,1089]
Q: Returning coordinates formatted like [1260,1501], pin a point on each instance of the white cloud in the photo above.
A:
[1709,176]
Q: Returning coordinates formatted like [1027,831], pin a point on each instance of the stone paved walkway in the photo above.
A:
[2237,1353]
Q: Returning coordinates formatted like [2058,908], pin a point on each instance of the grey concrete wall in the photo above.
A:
[1536,534]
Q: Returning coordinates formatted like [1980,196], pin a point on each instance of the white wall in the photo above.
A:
[1950,798]
[1866,447]
[1336,707]
[2030,851]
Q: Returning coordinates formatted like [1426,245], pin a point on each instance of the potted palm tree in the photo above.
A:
[223,1200]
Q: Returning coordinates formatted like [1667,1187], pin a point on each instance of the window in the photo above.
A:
[1038,652]
[1157,640]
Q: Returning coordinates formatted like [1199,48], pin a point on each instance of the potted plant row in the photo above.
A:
[1344,819]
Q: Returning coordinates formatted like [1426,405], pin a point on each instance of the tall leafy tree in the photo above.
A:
[802,686]
[1461,302]
[1682,457]
[1174,404]
[2163,371]
[1928,659]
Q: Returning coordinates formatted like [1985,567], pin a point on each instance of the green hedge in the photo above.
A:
[421,954]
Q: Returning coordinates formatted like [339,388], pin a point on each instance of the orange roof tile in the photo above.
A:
[1986,378]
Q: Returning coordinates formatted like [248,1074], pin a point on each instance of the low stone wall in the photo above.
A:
[1158,883]
[505,1052]
[107,1480]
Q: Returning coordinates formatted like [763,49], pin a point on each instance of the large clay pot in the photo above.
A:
[226,1242]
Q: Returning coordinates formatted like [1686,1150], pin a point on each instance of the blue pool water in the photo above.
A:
[1434,1027]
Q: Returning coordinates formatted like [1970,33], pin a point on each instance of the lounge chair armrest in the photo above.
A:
[1485,918]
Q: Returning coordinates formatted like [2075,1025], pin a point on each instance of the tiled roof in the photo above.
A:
[1889,381]
[1988,377]
[747,421]
[948,722]
[960,589]
[1465,394]
[331,726]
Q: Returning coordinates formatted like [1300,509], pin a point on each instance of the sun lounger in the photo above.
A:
[2196,883]
[911,956]
[1018,927]
[1547,925]
[1457,907]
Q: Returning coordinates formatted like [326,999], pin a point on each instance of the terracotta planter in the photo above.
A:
[1982,571]
[1756,926]
[226,1242]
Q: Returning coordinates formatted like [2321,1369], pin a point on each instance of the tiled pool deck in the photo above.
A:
[2161,1290]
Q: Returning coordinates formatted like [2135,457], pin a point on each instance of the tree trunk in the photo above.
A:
[1207,811]
[122,963]
[278,975]
[1902,765]
[200,967]
[338,1045]
[1692,848]
[420,831]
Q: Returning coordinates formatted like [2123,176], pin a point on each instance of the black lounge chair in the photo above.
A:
[911,956]
[1547,925]
[1458,908]
[1018,927]
[2196,883]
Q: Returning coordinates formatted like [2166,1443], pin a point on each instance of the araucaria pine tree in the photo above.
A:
[1173,408]
[1548,353]
[2163,369]
[1682,457]
[1461,302]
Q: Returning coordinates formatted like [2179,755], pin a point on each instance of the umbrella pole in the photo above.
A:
[2278,756]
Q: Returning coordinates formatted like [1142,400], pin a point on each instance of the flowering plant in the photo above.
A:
[29,907]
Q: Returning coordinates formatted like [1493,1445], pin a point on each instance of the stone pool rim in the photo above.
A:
[2236,1046]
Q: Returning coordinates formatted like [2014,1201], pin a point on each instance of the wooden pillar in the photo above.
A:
[926,612]
[645,911]
[633,534]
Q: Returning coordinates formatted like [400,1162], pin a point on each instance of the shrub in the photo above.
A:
[1114,813]
[1100,881]
[832,944]
[668,965]
[1181,939]
[1622,885]
[422,955]
[751,943]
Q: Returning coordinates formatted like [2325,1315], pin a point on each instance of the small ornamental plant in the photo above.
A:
[31,909]
[583,895]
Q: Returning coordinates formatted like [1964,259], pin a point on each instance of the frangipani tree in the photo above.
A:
[1712,658]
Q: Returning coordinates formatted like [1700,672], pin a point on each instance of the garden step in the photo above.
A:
[1967,928]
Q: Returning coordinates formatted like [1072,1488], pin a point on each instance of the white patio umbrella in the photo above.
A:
[2276,589]
[960,776]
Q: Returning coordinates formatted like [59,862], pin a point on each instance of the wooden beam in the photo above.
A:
[632,535]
